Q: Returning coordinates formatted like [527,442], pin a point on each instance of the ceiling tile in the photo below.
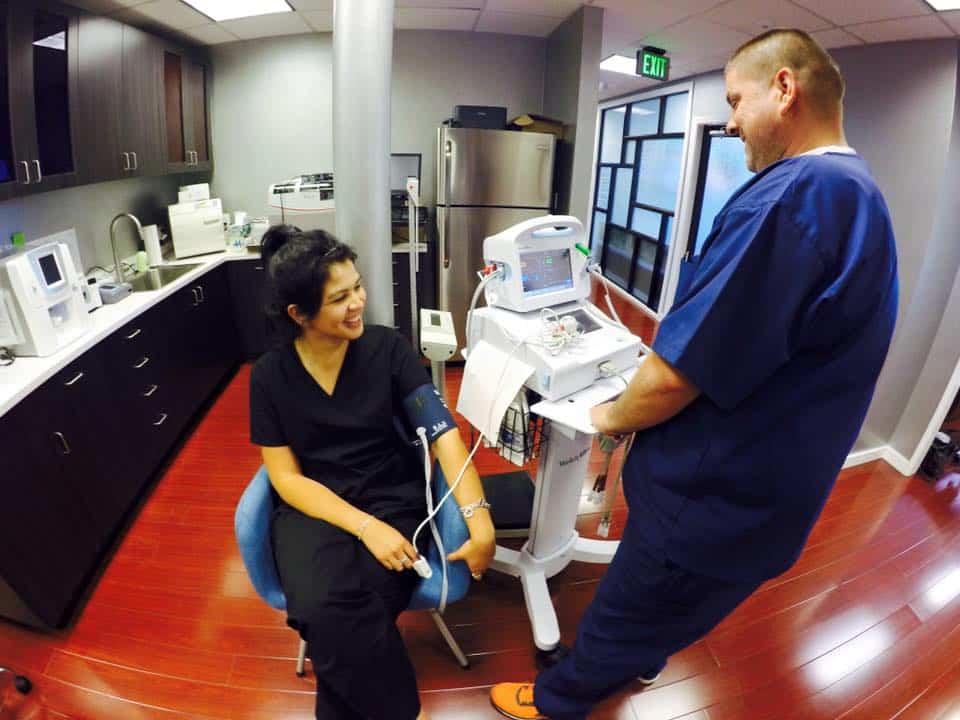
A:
[835,38]
[434,19]
[624,26]
[684,8]
[516,24]
[312,5]
[460,4]
[755,16]
[915,28]
[211,34]
[848,12]
[173,13]
[319,20]
[952,19]
[697,37]
[287,23]
[547,8]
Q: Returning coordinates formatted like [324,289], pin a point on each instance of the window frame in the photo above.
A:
[663,263]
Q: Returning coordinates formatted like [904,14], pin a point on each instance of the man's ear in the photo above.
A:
[785,82]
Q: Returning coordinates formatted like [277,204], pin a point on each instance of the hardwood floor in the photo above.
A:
[865,626]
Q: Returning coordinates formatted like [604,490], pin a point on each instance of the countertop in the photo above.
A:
[26,374]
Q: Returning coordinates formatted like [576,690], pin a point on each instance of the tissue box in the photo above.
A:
[193,193]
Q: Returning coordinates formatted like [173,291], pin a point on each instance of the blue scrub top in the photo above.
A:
[783,324]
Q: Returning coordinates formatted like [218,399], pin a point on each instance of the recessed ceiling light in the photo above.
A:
[620,64]
[231,9]
[941,5]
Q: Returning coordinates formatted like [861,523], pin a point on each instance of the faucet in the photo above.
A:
[117,270]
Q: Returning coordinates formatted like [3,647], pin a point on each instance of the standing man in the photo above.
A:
[760,379]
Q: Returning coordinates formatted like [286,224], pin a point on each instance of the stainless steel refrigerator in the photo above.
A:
[487,180]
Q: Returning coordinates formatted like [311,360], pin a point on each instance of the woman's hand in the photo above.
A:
[478,551]
[388,546]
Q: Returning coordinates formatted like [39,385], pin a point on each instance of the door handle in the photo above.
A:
[26,171]
[202,296]
[142,362]
[134,160]
[161,421]
[150,391]
[126,161]
[74,381]
[132,335]
[444,241]
[196,297]
[64,445]
[39,174]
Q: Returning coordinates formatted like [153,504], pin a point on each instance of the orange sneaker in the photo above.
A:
[515,700]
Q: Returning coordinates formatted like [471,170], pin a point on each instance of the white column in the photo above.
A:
[362,60]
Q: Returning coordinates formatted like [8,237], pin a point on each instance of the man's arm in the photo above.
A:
[656,393]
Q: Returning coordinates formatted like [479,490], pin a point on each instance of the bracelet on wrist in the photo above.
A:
[363,526]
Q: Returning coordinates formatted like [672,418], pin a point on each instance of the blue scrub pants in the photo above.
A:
[646,609]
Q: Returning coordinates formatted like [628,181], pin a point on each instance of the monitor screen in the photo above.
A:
[546,271]
[50,269]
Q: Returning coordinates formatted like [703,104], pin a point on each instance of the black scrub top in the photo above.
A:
[347,441]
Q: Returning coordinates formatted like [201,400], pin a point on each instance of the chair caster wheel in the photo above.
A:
[22,684]
[548,658]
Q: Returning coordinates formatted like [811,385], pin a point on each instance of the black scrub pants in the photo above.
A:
[345,605]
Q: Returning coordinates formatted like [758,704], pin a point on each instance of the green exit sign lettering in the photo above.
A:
[653,63]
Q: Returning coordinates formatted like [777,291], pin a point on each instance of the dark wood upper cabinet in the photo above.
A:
[142,129]
[186,84]
[101,77]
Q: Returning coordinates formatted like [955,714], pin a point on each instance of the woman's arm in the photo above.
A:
[312,498]
[478,550]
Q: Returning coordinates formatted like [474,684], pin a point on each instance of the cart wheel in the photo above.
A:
[22,684]
[549,658]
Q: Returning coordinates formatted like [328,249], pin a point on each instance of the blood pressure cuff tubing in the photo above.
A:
[424,407]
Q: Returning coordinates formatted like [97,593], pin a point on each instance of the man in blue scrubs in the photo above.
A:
[761,376]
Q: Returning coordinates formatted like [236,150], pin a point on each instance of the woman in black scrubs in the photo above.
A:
[350,492]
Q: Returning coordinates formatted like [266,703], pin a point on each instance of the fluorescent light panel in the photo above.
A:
[941,5]
[231,9]
[620,64]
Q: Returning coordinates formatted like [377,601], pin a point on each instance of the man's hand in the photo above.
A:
[600,417]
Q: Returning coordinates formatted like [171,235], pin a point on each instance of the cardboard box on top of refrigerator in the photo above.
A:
[538,123]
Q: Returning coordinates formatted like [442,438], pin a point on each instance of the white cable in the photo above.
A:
[428,474]
[473,304]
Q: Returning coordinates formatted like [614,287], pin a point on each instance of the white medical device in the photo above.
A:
[41,301]
[438,339]
[305,201]
[537,309]
[197,227]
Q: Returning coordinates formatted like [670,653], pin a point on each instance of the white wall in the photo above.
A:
[272,101]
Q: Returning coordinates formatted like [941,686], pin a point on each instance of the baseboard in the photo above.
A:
[864,456]
[900,463]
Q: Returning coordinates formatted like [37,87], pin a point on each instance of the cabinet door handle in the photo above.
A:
[74,381]
[134,160]
[26,171]
[161,421]
[64,445]
[132,335]
[140,364]
[150,391]
[39,174]
[126,161]
[196,297]
[202,296]
[258,267]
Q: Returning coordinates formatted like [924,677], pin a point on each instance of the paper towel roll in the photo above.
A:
[151,242]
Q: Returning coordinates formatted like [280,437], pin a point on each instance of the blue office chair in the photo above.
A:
[252,525]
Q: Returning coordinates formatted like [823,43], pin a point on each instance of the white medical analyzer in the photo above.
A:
[41,300]
[543,328]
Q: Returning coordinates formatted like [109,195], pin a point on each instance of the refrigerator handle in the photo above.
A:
[445,231]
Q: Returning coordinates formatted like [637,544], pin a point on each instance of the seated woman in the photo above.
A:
[350,492]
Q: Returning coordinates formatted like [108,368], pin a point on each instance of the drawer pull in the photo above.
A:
[74,381]
[258,267]
[64,445]
[200,290]
[140,364]
[161,421]
[150,391]
[132,335]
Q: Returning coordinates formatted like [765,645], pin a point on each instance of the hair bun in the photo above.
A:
[275,238]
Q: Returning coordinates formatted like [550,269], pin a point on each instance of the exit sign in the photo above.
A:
[653,63]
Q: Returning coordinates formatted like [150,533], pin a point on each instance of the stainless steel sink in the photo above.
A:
[156,278]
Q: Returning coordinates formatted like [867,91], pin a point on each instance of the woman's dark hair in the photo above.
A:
[298,265]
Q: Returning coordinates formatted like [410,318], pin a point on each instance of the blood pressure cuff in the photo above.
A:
[424,407]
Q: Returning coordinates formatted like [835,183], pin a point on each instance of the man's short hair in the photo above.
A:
[817,72]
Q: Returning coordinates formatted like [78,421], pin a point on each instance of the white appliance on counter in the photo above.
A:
[305,201]
[41,301]
[197,227]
